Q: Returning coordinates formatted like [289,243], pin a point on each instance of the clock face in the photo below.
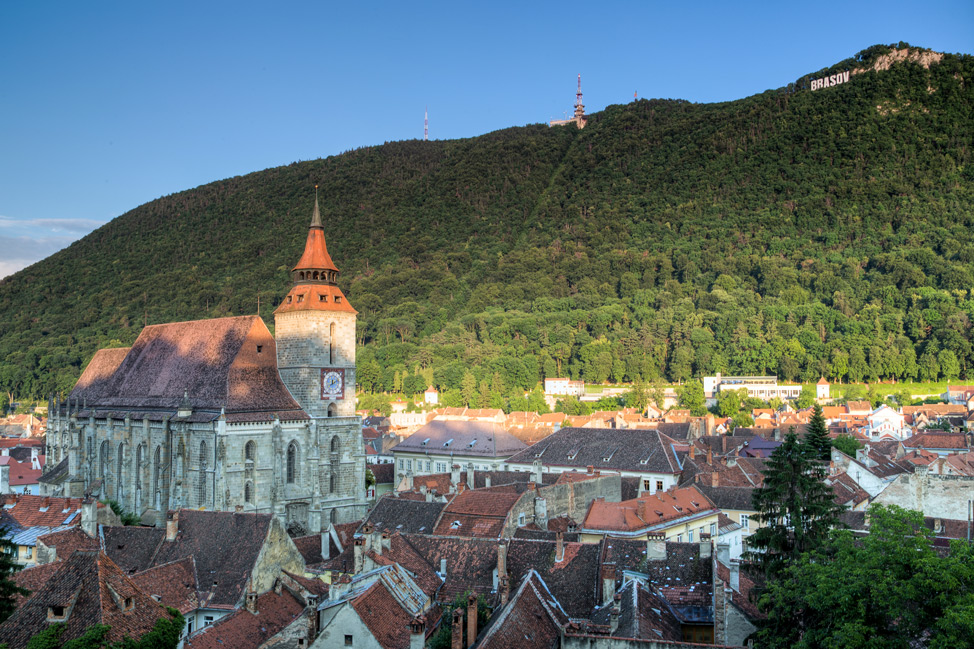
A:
[332,383]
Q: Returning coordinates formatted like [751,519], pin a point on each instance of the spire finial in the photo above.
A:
[316,217]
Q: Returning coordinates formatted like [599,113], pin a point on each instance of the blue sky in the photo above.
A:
[107,105]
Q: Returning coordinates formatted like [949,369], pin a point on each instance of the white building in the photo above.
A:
[758,387]
[564,387]
[886,423]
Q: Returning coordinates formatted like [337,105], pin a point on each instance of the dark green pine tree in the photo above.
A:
[817,436]
[8,588]
[795,507]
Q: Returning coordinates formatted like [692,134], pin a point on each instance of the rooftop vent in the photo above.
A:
[425,442]
[448,442]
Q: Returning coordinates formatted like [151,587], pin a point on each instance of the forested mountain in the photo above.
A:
[792,232]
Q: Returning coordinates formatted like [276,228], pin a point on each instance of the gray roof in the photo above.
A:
[613,449]
[736,498]
[466,438]
[392,514]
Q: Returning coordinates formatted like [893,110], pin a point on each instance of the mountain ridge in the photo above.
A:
[434,237]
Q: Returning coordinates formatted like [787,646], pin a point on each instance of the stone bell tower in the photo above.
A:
[315,333]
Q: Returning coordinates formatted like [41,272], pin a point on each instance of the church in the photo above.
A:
[221,415]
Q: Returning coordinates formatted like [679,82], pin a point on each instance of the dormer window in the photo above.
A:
[288,299]
[128,604]
[57,613]
[338,299]
[322,298]
[300,299]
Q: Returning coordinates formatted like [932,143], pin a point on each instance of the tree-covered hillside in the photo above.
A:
[793,232]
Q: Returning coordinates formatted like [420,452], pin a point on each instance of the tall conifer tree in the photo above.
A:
[794,505]
[817,436]
[8,588]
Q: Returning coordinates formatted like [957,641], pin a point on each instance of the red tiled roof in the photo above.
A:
[385,618]
[315,297]
[174,584]
[215,362]
[244,630]
[479,512]
[46,511]
[33,579]
[93,590]
[533,619]
[647,510]
[67,541]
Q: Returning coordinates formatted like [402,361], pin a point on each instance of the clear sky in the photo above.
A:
[107,105]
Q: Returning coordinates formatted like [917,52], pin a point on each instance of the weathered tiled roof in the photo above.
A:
[46,511]
[466,438]
[215,362]
[172,584]
[642,614]
[470,562]
[532,619]
[384,616]
[575,580]
[733,498]
[245,630]
[477,512]
[614,449]
[92,590]
[67,541]
[932,440]
[310,548]
[392,514]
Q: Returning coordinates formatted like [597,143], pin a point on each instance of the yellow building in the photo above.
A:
[679,515]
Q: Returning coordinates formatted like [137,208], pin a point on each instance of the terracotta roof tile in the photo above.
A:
[172,584]
[532,619]
[45,511]
[477,512]
[386,619]
[92,590]
[648,511]
[67,541]
[244,630]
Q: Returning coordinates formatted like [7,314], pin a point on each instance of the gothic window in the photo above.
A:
[331,343]
[155,470]
[91,449]
[139,459]
[250,452]
[334,444]
[249,492]
[201,478]
[292,462]
[332,480]
[120,471]
[103,464]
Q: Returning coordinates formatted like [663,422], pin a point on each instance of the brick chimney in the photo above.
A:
[471,619]
[359,550]
[710,456]
[457,630]
[693,451]
[559,546]
[172,526]
[505,589]
[501,559]
[252,601]
[455,476]
[714,479]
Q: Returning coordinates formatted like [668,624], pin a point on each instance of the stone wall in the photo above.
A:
[278,553]
[608,642]
[570,499]
[937,496]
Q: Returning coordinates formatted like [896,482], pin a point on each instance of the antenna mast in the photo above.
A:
[426,125]
[578,95]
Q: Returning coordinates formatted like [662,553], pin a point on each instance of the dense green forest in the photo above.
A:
[793,232]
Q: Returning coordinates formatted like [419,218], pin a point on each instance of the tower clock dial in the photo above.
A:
[332,383]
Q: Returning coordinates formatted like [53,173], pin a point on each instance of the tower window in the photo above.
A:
[292,462]
[259,348]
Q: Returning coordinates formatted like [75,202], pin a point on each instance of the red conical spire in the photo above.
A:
[315,264]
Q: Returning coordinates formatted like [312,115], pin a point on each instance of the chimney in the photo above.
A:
[614,613]
[386,542]
[714,479]
[608,582]
[89,516]
[559,546]
[655,547]
[590,469]
[471,478]
[376,542]
[471,619]
[455,476]
[502,559]
[723,553]
[710,456]
[777,434]
[252,601]
[457,631]
[238,508]
[326,545]
[408,481]
[4,479]
[541,513]
[505,588]
[537,472]
[443,568]
[735,576]
[172,526]
[359,551]
[487,480]
[732,461]
[711,424]
[705,546]
[417,633]
[693,451]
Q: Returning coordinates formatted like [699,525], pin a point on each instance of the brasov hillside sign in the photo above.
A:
[831,80]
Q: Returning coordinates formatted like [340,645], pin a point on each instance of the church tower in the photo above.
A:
[315,333]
